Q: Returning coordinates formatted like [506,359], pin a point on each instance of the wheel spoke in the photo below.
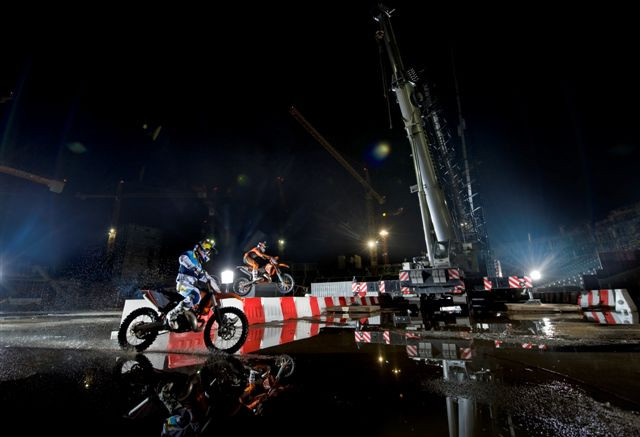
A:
[229,333]
[136,339]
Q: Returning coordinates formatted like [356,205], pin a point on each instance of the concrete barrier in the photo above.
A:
[270,309]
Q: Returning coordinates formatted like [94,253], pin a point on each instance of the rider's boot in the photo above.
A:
[171,319]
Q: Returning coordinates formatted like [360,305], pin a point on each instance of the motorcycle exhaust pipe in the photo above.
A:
[193,321]
[153,326]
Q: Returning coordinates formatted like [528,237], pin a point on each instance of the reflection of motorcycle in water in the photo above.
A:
[264,384]
[225,330]
[244,284]
[224,386]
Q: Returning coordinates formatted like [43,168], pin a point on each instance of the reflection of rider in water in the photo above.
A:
[261,386]
[183,421]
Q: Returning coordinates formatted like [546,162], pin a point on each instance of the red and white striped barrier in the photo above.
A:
[359,288]
[270,309]
[381,287]
[499,344]
[362,337]
[412,351]
[516,282]
[597,298]
[616,298]
[347,322]
[259,337]
[487,283]
[259,311]
[362,289]
[404,277]
[612,317]
[459,289]
[342,301]
[454,274]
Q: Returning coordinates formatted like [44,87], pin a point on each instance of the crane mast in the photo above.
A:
[432,201]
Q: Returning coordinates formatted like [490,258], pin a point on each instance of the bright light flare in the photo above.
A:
[227,276]
[381,151]
[536,275]
[384,233]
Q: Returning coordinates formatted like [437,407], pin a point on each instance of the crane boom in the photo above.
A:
[54,185]
[329,148]
[435,210]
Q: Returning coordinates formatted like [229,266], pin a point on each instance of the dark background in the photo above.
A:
[549,98]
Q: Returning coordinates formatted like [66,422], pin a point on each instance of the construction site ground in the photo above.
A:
[504,374]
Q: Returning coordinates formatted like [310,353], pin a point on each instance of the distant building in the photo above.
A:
[137,257]
[583,249]
[620,230]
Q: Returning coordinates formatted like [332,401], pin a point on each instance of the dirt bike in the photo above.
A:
[248,381]
[273,270]
[226,328]
[226,385]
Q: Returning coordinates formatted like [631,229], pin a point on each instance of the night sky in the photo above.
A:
[549,98]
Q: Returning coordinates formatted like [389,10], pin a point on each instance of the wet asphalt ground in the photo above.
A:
[517,375]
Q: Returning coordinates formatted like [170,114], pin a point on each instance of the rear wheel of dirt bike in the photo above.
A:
[224,379]
[287,364]
[287,284]
[130,340]
[231,334]
[134,379]
[137,368]
[135,376]
[242,286]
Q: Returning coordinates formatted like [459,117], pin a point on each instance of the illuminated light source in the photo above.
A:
[227,276]
[384,214]
[380,359]
[281,242]
[381,151]
[384,233]
[371,244]
[243,180]
[535,275]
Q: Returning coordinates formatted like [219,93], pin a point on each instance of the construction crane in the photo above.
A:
[54,185]
[433,208]
[333,152]
[370,193]
[454,231]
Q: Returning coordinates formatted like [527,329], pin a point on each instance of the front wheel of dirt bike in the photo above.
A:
[128,339]
[242,286]
[231,334]
[287,284]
